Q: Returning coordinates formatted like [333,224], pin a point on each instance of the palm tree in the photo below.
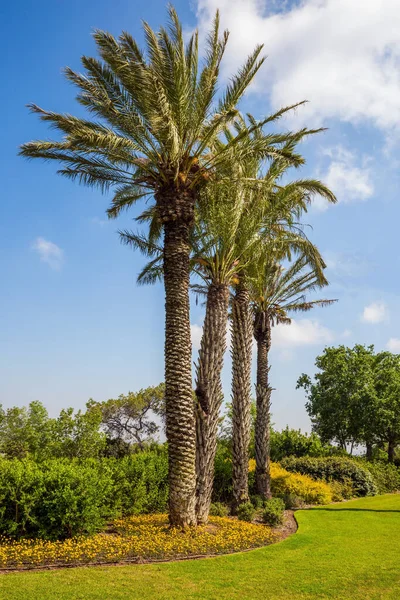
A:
[286,204]
[275,293]
[155,121]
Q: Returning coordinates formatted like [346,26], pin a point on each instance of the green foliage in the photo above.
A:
[355,397]
[274,509]
[338,401]
[246,512]
[342,490]
[293,502]
[334,469]
[60,498]
[385,475]
[31,432]
[141,482]
[217,509]
[292,442]
[55,499]
[222,490]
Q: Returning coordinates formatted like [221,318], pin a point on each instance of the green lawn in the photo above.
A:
[348,551]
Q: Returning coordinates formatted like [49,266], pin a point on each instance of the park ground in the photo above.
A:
[346,551]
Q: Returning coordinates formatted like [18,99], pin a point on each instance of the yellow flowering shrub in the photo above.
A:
[135,538]
[283,482]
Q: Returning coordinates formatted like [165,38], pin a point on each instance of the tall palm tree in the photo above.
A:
[286,204]
[275,293]
[156,119]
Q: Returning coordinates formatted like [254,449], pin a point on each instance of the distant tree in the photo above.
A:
[292,442]
[130,418]
[385,418]
[24,431]
[76,434]
[342,397]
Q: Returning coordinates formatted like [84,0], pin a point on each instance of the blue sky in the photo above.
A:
[73,323]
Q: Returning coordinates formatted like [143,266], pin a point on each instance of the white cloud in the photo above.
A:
[348,181]
[341,55]
[375,313]
[49,253]
[393,345]
[300,333]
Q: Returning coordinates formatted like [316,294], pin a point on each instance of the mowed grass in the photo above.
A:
[346,551]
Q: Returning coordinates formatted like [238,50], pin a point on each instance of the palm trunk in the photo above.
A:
[180,422]
[242,336]
[209,394]
[262,334]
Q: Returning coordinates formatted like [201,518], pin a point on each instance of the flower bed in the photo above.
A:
[137,538]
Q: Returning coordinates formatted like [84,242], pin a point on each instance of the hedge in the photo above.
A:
[334,469]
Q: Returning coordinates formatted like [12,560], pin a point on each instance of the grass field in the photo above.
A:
[346,551]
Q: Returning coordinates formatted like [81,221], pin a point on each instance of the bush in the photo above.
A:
[334,469]
[385,475]
[61,498]
[219,510]
[141,482]
[246,512]
[54,500]
[273,511]
[292,502]
[303,486]
[342,490]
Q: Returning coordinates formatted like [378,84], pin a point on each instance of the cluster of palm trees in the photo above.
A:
[222,216]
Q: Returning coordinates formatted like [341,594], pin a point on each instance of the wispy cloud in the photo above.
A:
[49,253]
[376,312]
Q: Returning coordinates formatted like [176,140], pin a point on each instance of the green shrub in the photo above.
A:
[246,512]
[257,501]
[141,482]
[292,501]
[342,490]
[219,510]
[222,489]
[385,475]
[273,511]
[334,469]
[54,500]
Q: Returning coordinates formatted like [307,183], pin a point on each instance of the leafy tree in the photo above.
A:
[275,294]
[155,134]
[386,414]
[76,434]
[130,418]
[24,430]
[342,400]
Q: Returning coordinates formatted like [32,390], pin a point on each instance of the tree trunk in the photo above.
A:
[209,394]
[262,334]
[180,421]
[391,450]
[242,336]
